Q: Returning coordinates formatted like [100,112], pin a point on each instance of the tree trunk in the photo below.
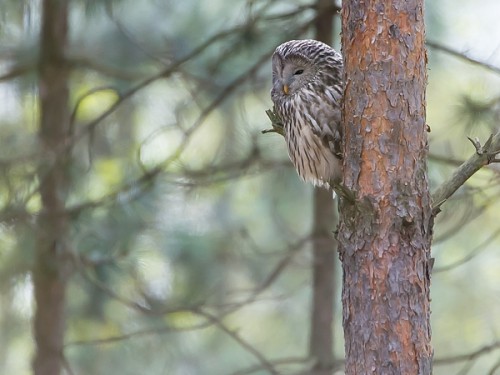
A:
[323,301]
[324,245]
[52,263]
[385,236]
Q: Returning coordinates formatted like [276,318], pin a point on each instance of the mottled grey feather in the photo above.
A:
[307,92]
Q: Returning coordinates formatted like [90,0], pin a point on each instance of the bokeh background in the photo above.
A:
[180,205]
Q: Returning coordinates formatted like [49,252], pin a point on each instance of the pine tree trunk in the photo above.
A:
[385,236]
[52,264]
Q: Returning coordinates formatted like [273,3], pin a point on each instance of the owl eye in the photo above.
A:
[299,72]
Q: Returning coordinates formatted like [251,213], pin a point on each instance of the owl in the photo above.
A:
[307,93]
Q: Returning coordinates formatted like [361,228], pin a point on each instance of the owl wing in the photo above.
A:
[326,124]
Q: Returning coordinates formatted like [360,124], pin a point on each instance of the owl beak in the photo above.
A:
[286,89]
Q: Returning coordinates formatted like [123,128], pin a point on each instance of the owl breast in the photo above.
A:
[311,156]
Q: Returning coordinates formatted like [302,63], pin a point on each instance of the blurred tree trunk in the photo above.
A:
[323,288]
[52,263]
[324,245]
[385,236]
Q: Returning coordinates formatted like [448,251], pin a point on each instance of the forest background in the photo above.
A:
[189,229]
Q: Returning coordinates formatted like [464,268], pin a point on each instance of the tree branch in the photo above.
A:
[236,337]
[463,56]
[484,155]
[473,253]
[277,362]
[17,71]
[468,356]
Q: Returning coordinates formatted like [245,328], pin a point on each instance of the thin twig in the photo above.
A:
[275,363]
[243,343]
[473,253]
[468,356]
[136,334]
[463,56]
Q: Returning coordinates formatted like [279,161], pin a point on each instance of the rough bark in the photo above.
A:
[52,264]
[324,245]
[385,236]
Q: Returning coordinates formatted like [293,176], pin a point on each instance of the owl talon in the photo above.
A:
[276,123]
[343,192]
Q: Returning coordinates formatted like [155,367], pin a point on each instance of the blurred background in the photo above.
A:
[190,230]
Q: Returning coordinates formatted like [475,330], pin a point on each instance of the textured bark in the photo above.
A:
[52,264]
[385,236]
[324,245]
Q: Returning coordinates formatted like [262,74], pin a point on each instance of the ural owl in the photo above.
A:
[307,91]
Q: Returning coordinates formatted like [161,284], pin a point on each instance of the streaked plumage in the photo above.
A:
[307,91]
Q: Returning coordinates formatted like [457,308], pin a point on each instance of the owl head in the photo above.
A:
[299,63]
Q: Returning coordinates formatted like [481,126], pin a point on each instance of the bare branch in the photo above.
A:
[450,160]
[276,362]
[459,218]
[494,369]
[17,71]
[138,333]
[273,274]
[462,56]
[484,155]
[85,95]
[466,367]
[243,343]
[468,356]
[473,253]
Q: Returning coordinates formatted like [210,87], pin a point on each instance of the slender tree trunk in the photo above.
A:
[323,298]
[324,246]
[385,236]
[52,264]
